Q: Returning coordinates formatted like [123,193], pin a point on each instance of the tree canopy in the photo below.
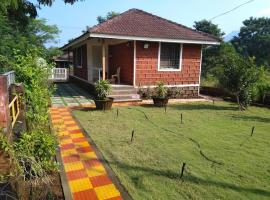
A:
[109,15]
[211,53]
[21,31]
[254,40]
[208,27]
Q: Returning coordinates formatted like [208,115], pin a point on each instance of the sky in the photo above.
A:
[72,19]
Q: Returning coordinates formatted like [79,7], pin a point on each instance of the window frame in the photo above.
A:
[180,59]
[81,59]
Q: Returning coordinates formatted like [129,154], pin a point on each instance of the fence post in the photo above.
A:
[4,101]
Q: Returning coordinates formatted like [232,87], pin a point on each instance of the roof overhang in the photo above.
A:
[152,39]
[75,41]
[136,38]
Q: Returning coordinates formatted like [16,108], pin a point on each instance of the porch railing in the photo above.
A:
[14,109]
[97,73]
[10,77]
[59,74]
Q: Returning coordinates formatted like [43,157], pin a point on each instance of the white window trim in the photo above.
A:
[170,69]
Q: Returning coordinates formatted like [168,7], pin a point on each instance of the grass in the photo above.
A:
[149,167]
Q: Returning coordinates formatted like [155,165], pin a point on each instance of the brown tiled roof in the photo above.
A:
[139,23]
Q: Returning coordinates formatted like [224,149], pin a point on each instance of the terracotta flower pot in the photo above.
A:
[105,104]
[160,101]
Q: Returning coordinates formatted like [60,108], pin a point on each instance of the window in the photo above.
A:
[170,57]
[79,55]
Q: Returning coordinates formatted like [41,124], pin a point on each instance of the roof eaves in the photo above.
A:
[153,39]
[75,40]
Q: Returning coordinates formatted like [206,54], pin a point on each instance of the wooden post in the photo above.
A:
[182,170]
[132,135]
[103,60]
[252,130]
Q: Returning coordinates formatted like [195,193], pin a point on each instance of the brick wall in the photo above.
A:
[147,66]
[81,72]
[121,55]
[4,101]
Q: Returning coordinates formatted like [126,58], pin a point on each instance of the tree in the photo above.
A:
[240,74]
[35,35]
[208,27]
[254,40]
[21,11]
[211,53]
[109,15]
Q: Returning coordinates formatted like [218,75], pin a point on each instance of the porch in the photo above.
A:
[105,59]
[72,94]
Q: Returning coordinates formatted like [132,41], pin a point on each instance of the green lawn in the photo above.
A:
[150,166]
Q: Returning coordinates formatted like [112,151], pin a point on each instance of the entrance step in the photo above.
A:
[124,93]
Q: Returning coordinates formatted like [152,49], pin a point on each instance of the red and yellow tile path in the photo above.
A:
[86,175]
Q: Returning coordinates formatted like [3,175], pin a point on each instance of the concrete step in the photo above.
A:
[123,87]
[128,96]
[127,100]
[124,93]
[120,92]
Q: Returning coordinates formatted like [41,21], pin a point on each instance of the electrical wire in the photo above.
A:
[233,9]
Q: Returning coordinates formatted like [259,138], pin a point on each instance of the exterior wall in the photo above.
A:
[147,66]
[81,72]
[122,55]
[4,101]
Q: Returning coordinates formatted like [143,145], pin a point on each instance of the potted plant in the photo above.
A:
[161,99]
[102,90]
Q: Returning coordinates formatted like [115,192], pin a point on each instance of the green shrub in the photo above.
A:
[33,72]
[38,145]
[262,87]
[102,89]
[239,76]
[161,90]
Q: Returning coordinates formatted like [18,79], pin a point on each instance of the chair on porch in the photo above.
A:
[116,76]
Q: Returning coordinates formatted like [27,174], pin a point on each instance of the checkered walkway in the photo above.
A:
[86,176]
[70,95]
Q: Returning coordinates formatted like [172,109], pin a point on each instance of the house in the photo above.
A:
[145,48]
[63,61]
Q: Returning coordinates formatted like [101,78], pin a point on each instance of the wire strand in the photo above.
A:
[235,8]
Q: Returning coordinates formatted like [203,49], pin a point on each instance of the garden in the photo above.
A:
[225,151]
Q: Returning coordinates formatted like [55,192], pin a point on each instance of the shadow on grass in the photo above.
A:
[203,107]
[188,177]
[251,118]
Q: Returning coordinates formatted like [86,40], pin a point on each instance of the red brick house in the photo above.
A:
[145,47]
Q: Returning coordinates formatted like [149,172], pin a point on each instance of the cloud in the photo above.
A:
[264,12]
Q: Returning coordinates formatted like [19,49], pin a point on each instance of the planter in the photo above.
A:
[105,104]
[160,101]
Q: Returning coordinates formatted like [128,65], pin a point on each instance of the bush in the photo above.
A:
[161,90]
[38,145]
[262,87]
[33,72]
[240,75]
[102,89]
